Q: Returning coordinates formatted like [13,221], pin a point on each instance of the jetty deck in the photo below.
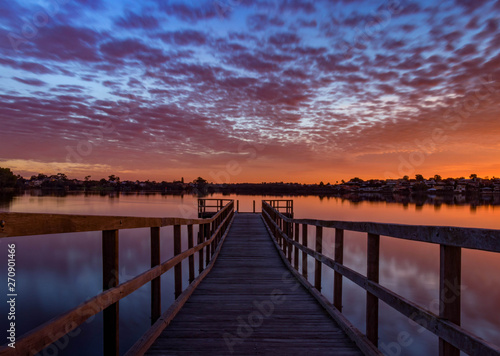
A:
[250,304]
[249,292]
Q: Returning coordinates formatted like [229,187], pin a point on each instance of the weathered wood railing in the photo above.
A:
[284,206]
[205,206]
[212,232]
[446,325]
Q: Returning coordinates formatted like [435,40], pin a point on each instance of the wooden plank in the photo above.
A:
[155,283]
[110,274]
[337,277]
[178,267]
[449,292]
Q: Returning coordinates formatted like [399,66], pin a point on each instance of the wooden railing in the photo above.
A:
[211,234]
[284,206]
[446,325]
[209,207]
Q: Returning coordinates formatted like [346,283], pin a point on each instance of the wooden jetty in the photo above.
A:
[250,304]
[250,293]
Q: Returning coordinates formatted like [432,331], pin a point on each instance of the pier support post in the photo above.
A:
[318,264]
[155,283]
[449,292]
[304,254]
[191,258]
[373,253]
[296,250]
[200,253]
[337,277]
[110,273]
[178,267]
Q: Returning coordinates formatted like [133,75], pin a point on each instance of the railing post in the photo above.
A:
[208,234]
[304,254]
[373,253]
[191,258]
[449,292]
[289,227]
[296,250]
[200,253]
[318,264]
[110,280]
[238,206]
[254,206]
[155,283]
[178,267]
[337,277]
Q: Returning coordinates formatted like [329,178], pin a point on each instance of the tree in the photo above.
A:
[356,180]
[437,178]
[473,176]
[114,179]
[419,177]
[406,178]
[321,184]
[62,176]
[200,181]
[7,178]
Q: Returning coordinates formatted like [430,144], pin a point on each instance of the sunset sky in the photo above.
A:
[249,90]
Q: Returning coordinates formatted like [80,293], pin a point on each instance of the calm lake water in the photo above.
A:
[57,272]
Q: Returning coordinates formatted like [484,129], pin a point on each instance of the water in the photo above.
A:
[57,272]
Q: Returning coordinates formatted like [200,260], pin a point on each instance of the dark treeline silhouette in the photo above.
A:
[405,186]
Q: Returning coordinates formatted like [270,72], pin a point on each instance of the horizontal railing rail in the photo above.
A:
[446,325]
[211,233]
[207,204]
[284,206]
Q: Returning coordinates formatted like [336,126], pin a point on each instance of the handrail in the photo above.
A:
[446,326]
[210,235]
[26,224]
[466,237]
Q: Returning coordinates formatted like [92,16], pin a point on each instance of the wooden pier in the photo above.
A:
[250,304]
[250,294]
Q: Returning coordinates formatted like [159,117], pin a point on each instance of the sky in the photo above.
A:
[250,91]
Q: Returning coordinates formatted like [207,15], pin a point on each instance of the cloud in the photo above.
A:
[182,84]
[135,21]
[30,81]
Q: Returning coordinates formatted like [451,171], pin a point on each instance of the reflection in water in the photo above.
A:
[6,200]
[57,272]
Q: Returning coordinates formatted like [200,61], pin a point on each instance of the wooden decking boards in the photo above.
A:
[250,304]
